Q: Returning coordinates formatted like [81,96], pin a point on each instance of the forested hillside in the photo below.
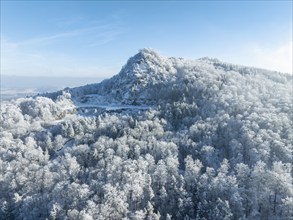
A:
[166,138]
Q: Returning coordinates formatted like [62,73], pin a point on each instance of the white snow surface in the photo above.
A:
[166,138]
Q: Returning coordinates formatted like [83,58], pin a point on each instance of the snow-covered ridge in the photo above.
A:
[147,71]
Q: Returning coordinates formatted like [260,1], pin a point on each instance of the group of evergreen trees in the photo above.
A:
[217,145]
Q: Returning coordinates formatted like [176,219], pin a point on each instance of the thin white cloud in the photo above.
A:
[105,37]
[32,56]
[39,63]
[103,33]
[20,59]
[278,58]
[67,21]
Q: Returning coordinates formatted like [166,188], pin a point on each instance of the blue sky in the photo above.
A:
[95,38]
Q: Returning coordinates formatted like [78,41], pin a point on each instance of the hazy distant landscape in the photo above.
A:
[22,86]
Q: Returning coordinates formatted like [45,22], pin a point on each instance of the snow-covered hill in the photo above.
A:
[148,78]
[166,138]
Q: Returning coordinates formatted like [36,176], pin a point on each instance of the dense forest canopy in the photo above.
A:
[166,138]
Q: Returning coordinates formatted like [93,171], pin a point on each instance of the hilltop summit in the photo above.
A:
[146,74]
[141,72]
